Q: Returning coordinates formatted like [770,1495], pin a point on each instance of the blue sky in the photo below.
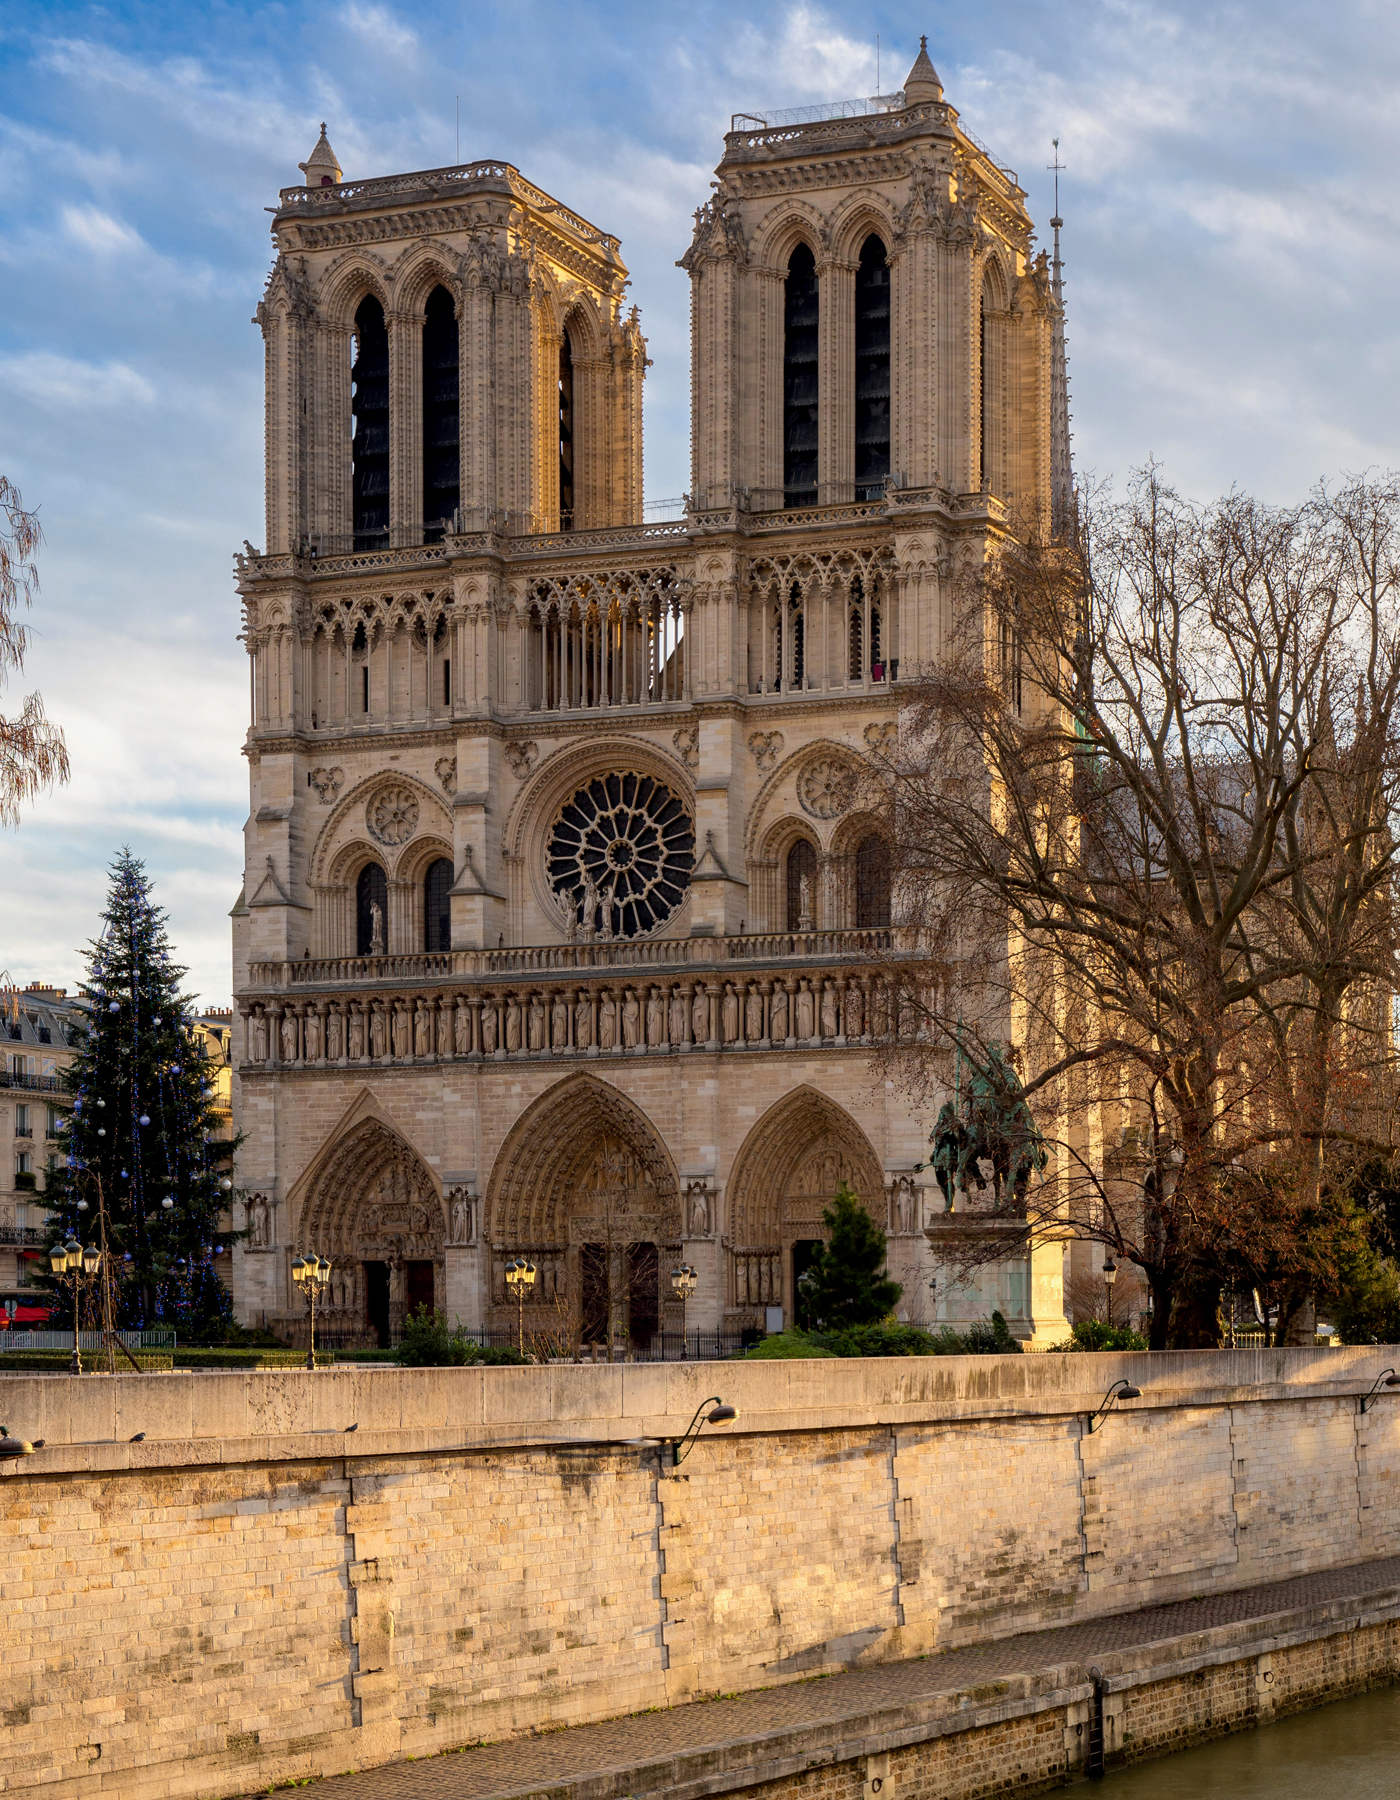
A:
[1231,241]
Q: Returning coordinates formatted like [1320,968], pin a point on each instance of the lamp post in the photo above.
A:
[70,1262]
[520,1275]
[683,1281]
[312,1277]
[720,1415]
[1110,1275]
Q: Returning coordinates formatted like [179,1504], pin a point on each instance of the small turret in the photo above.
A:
[921,84]
[321,168]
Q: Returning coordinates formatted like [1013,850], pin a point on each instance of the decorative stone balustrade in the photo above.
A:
[607,1015]
[531,959]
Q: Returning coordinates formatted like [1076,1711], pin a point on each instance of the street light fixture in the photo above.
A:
[721,1414]
[1121,1390]
[69,1261]
[313,1277]
[683,1283]
[520,1276]
[1386,1378]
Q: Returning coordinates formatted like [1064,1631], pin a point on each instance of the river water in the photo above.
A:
[1349,1750]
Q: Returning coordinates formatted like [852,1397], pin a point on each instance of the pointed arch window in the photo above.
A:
[442,459]
[802,886]
[437,907]
[369,390]
[566,434]
[872,881]
[801,313]
[872,458]
[371,891]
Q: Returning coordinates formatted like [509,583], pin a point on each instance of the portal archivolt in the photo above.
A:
[373,1210]
[584,1188]
[787,1172]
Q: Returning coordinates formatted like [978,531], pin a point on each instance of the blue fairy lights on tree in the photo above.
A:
[141,1144]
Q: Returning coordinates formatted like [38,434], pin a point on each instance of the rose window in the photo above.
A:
[623,848]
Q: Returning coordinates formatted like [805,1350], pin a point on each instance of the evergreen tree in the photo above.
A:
[846,1282]
[140,1129]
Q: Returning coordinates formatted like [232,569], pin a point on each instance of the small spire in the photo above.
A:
[921,84]
[321,168]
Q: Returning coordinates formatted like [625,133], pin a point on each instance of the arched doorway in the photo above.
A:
[785,1175]
[584,1188]
[373,1209]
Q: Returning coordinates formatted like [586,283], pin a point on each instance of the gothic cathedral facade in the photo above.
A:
[559,906]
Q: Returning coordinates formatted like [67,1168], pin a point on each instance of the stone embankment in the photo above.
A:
[214,1582]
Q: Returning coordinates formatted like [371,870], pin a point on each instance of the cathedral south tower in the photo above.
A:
[559,897]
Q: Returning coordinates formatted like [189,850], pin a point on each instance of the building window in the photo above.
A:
[437,908]
[801,886]
[872,371]
[371,891]
[446,682]
[22,1126]
[55,1122]
[369,376]
[801,309]
[442,461]
[364,688]
[566,434]
[872,881]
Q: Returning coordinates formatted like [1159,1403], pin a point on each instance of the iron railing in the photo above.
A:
[158,1338]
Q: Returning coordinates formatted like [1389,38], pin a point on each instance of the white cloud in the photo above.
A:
[99,232]
[379,27]
[50,380]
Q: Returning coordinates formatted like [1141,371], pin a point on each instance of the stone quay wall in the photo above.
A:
[255,1592]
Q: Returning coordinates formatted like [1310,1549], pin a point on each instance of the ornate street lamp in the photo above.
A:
[683,1281]
[1121,1390]
[312,1277]
[70,1262]
[720,1414]
[520,1276]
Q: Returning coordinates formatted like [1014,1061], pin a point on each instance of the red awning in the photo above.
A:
[27,1315]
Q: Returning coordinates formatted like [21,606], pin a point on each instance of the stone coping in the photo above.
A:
[284,1415]
[705,1748]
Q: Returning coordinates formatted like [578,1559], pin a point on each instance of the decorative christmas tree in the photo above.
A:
[141,1145]
[846,1282]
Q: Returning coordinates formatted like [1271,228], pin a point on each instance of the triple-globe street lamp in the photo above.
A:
[312,1276]
[684,1278]
[71,1262]
[520,1278]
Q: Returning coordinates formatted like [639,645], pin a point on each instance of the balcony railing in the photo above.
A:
[40,1084]
[554,959]
[24,1235]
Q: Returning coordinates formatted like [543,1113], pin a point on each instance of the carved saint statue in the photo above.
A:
[513,1023]
[631,1020]
[259,1222]
[259,1037]
[289,1035]
[656,1018]
[488,1028]
[335,1034]
[700,1015]
[461,1216]
[779,1026]
[537,1023]
[607,1022]
[806,1012]
[356,1033]
[559,1022]
[678,1016]
[378,1036]
[753,1014]
[422,1031]
[590,908]
[376,929]
[830,1021]
[402,1034]
[804,902]
[699,1209]
[444,1028]
[609,904]
[571,917]
[396,1284]
[313,1036]
[729,1029]
[462,1029]
[583,1022]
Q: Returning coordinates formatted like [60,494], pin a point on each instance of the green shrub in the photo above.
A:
[429,1343]
[785,1346]
[279,1358]
[57,1362]
[846,1283]
[1093,1334]
[985,1338]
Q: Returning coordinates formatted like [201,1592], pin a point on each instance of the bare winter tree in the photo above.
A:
[32,752]
[1141,812]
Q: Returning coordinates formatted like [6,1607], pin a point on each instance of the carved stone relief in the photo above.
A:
[687,742]
[445,768]
[522,757]
[327,783]
[825,788]
[767,747]
[392,815]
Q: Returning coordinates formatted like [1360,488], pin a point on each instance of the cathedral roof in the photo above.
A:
[921,84]
[321,168]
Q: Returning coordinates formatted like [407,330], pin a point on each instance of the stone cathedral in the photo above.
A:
[554,939]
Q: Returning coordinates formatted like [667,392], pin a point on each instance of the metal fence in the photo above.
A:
[663,1346]
[159,1338]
